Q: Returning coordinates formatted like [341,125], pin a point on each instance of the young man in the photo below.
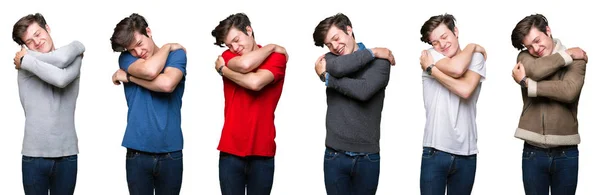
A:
[253,78]
[154,81]
[356,79]
[48,80]
[451,84]
[551,78]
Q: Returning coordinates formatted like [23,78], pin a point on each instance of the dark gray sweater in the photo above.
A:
[355,94]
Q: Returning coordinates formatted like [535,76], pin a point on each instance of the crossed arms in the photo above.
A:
[243,70]
[153,73]
[537,70]
[340,72]
[453,73]
[58,68]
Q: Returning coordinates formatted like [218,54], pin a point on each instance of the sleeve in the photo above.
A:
[228,55]
[478,65]
[125,60]
[276,64]
[177,59]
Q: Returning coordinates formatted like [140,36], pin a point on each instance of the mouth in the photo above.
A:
[445,49]
[540,53]
[341,50]
[40,45]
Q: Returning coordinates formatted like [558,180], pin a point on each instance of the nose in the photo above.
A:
[36,41]
[235,47]
[535,47]
[138,52]
[335,45]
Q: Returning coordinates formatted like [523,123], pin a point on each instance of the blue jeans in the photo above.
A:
[552,168]
[349,173]
[149,173]
[58,175]
[252,173]
[441,170]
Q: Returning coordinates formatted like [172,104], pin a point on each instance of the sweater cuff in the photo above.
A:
[27,62]
[567,57]
[531,88]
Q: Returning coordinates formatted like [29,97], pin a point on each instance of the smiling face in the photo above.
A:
[239,42]
[444,40]
[37,38]
[142,46]
[538,43]
[340,42]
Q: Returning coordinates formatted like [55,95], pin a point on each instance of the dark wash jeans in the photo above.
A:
[441,170]
[546,169]
[57,175]
[149,173]
[253,174]
[350,173]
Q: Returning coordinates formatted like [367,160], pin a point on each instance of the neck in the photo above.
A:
[155,49]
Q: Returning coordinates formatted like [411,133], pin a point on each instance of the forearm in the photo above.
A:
[340,66]
[456,66]
[565,90]
[252,80]
[363,88]
[164,83]
[59,77]
[462,87]
[251,60]
[539,68]
[150,68]
[61,57]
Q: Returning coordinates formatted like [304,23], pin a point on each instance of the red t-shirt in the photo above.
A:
[249,128]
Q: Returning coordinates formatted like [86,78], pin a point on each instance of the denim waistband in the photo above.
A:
[348,153]
[552,149]
[129,150]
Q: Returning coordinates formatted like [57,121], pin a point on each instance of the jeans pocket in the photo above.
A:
[175,155]
[528,154]
[427,153]
[330,155]
[131,155]
[27,159]
[71,158]
[571,154]
[375,157]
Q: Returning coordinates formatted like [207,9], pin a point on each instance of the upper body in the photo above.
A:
[356,84]
[549,116]
[154,117]
[249,126]
[48,89]
[451,119]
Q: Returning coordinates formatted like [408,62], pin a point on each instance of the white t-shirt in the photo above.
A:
[450,124]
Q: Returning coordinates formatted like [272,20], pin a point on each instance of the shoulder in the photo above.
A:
[178,54]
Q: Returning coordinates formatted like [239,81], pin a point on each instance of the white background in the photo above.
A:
[300,116]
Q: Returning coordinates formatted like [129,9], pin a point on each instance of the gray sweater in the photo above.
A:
[48,88]
[355,93]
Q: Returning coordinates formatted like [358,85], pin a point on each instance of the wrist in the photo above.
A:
[21,60]
[128,77]
[523,82]
[220,70]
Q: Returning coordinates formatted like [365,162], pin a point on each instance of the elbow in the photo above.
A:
[167,86]
[457,72]
[256,85]
[245,66]
[466,93]
[149,74]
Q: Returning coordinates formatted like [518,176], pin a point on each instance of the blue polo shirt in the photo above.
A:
[154,118]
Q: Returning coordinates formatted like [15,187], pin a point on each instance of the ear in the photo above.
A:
[548,32]
[48,29]
[349,30]
[149,32]
[456,32]
[249,31]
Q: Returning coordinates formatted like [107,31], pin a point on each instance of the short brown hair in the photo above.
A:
[239,21]
[524,26]
[22,24]
[122,36]
[434,22]
[340,20]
